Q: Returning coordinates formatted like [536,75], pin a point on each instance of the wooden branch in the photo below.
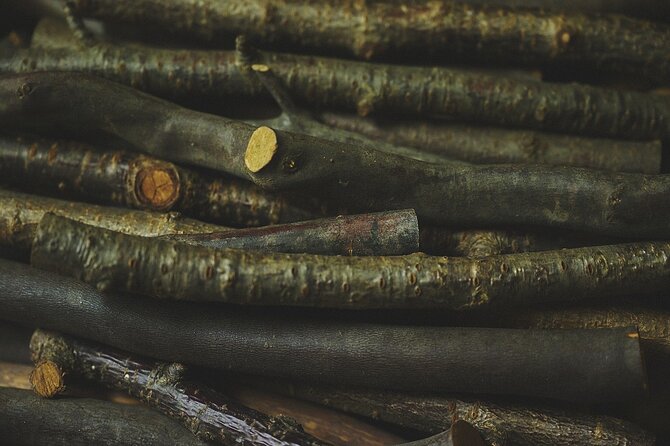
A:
[167,269]
[482,243]
[14,375]
[522,362]
[20,214]
[466,95]
[208,414]
[491,145]
[478,196]
[29,420]
[396,31]
[499,423]
[383,233]
[330,425]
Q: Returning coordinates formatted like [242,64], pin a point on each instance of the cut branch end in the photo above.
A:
[47,379]
[157,186]
[261,149]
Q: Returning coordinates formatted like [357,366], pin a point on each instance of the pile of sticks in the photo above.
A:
[334,222]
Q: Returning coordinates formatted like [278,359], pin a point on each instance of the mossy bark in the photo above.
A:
[491,145]
[166,269]
[458,194]
[368,88]
[209,415]
[399,31]
[29,420]
[501,424]
[542,363]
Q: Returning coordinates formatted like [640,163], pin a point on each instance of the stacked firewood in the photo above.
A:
[309,222]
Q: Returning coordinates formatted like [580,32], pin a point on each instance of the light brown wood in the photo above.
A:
[261,148]
[47,380]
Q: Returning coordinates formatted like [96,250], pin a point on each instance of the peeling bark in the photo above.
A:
[315,348]
[165,269]
[399,31]
[458,195]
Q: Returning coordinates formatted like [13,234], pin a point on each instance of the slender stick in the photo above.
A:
[543,363]
[463,94]
[399,31]
[21,213]
[490,145]
[458,194]
[167,269]
[383,233]
[29,420]
[500,423]
[208,414]
[14,375]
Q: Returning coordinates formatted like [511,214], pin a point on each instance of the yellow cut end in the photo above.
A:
[47,380]
[261,148]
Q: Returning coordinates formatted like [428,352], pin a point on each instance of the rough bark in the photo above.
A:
[464,94]
[490,145]
[81,171]
[384,233]
[21,213]
[165,269]
[29,420]
[209,415]
[501,424]
[482,243]
[399,31]
[459,195]
[316,348]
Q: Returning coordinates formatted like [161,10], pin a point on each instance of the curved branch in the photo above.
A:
[353,176]
[167,269]
[318,348]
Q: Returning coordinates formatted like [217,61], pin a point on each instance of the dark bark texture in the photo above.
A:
[459,195]
[32,421]
[14,343]
[491,145]
[209,415]
[21,213]
[501,424]
[81,171]
[166,269]
[384,233]
[394,30]
[366,88]
[461,433]
[547,363]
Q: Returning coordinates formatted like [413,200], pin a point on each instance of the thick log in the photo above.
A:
[467,95]
[14,343]
[173,270]
[501,424]
[209,415]
[399,31]
[384,233]
[458,195]
[525,362]
[31,421]
[491,145]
